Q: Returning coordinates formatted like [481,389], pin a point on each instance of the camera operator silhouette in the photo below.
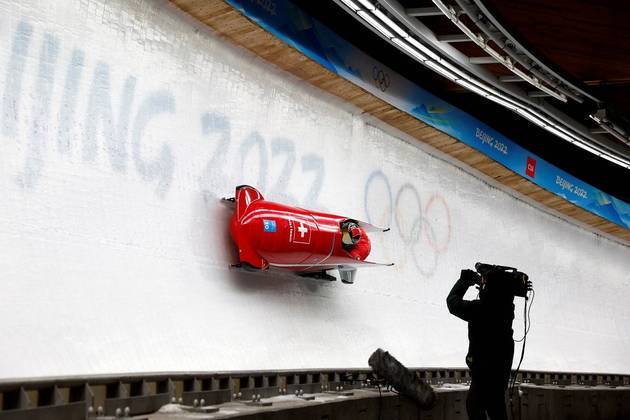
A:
[491,347]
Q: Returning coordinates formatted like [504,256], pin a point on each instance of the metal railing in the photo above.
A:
[133,394]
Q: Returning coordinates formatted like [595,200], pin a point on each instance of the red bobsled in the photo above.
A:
[309,243]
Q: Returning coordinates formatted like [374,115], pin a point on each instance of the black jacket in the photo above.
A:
[491,347]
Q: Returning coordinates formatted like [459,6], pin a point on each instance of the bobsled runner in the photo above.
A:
[309,243]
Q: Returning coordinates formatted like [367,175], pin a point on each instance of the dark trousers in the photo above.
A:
[487,395]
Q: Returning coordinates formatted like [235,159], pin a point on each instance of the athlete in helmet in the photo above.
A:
[354,240]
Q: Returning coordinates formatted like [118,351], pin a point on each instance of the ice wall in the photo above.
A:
[123,122]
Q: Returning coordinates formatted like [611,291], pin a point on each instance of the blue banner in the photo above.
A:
[292,25]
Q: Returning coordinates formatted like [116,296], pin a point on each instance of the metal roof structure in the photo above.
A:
[479,59]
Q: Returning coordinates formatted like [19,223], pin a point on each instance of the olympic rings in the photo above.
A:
[381,78]
[426,272]
[422,227]
[436,197]
[374,175]
[416,227]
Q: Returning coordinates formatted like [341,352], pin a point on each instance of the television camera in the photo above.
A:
[512,281]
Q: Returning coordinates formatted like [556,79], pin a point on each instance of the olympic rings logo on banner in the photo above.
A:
[420,233]
[381,78]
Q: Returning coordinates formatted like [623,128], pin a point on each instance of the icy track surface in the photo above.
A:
[122,124]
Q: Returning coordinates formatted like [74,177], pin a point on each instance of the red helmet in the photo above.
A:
[355,233]
[350,233]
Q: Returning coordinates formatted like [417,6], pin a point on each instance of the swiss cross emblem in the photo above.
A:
[530,169]
[300,232]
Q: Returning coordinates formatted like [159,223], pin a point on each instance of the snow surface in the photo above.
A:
[122,124]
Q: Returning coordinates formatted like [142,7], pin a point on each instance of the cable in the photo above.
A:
[529,312]
[524,340]
[526,320]
[380,402]
[513,380]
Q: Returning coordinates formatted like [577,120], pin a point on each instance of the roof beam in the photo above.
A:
[423,11]
[482,60]
[511,78]
[450,38]
[537,94]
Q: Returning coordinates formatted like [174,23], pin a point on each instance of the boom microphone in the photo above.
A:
[406,382]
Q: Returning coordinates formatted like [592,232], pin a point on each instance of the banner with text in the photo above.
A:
[295,27]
